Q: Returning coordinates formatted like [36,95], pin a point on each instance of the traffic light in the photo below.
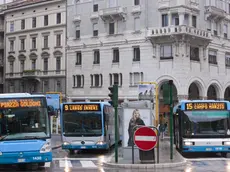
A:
[113,95]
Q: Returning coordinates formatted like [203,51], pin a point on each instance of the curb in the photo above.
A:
[146,166]
[56,147]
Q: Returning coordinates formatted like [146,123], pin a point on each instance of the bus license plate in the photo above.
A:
[83,147]
[208,149]
[21,160]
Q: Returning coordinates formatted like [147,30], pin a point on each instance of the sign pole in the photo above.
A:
[116,116]
[171,118]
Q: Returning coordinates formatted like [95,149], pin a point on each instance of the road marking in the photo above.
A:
[88,164]
[80,159]
[47,164]
[145,138]
[65,163]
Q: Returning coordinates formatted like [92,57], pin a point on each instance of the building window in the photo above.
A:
[116,55]
[33,64]
[34,23]
[137,24]
[22,44]
[209,25]
[58,18]
[11,87]
[58,40]
[95,7]
[136,54]
[136,2]
[115,79]
[225,31]
[23,24]
[166,52]
[135,78]
[95,29]
[22,65]
[96,57]
[33,43]
[12,26]
[58,89]
[46,42]
[96,80]
[194,54]
[45,66]
[227,60]
[11,67]
[11,45]
[212,57]
[164,19]
[78,81]
[78,32]
[78,58]
[45,86]
[194,21]
[46,20]
[58,64]
[111,28]
[215,26]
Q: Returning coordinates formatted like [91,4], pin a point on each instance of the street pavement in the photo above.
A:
[92,161]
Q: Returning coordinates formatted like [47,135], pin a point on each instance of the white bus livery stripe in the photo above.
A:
[145,138]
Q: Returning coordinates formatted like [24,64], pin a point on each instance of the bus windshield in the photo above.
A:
[82,123]
[21,119]
[206,123]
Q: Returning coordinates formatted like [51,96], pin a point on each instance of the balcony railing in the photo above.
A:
[183,29]
[108,13]
[36,73]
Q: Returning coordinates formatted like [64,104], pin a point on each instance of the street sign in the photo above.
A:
[146,92]
[145,138]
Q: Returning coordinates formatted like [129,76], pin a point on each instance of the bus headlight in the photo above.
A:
[0,153]
[100,143]
[45,148]
[188,143]
[66,143]
[227,143]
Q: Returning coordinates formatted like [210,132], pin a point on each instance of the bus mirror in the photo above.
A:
[51,111]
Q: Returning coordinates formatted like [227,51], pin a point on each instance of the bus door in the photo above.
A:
[177,130]
[106,119]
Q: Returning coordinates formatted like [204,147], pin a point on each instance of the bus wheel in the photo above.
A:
[22,167]
[41,164]
[71,152]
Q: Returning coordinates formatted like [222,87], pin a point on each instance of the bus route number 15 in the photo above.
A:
[189,106]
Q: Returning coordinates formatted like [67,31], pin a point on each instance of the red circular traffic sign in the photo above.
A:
[145,138]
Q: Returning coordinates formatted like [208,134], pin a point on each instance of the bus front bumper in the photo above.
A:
[25,157]
[206,149]
[79,147]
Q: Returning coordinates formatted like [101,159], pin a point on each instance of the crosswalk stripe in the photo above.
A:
[88,164]
[47,164]
[65,163]
[79,159]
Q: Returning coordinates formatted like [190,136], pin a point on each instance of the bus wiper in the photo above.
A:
[2,138]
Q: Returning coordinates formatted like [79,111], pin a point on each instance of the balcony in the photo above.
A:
[113,13]
[214,13]
[180,32]
[77,19]
[27,74]
[94,16]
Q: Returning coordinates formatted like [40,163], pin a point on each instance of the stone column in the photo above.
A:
[169,18]
[190,20]
[181,18]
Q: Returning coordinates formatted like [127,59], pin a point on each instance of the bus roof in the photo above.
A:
[19,95]
[194,101]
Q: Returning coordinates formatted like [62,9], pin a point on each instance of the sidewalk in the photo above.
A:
[56,141]
[164,159]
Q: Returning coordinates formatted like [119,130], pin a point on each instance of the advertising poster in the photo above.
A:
[53,100]
[146,92]
[131,118]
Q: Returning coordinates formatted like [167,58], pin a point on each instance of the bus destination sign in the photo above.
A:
[19,103]
[82,107]
[205,106]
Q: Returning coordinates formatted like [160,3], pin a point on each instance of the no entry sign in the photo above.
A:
[145,138]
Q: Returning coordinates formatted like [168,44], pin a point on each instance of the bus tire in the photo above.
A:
[224,154]
[22,167]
